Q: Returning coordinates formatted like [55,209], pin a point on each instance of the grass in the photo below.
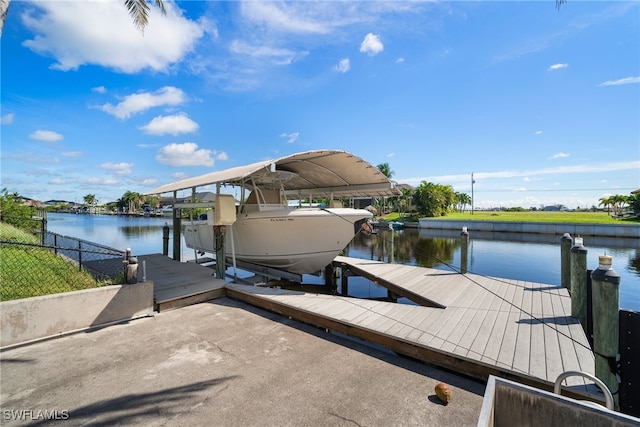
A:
[530,216]
[29,271]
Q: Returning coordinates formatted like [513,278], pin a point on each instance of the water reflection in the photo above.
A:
[140,230]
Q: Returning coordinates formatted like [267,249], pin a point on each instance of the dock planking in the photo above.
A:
[177,284]
[476,325]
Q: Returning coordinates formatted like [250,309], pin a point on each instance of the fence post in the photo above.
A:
[606,320]
[578,284]
[79,255]
[565,261]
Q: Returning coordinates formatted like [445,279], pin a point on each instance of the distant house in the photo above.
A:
[554,208]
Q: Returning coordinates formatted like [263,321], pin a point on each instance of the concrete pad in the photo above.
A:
[225,363]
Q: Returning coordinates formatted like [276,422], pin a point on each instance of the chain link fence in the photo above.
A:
[49,263]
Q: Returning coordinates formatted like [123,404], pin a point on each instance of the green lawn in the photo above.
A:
[29,270]
[532,216]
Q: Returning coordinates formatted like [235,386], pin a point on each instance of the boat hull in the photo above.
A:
[302,240]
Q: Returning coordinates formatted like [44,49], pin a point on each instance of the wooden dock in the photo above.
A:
[474,325]
[178,284]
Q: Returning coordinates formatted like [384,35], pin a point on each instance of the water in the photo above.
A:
[527,257]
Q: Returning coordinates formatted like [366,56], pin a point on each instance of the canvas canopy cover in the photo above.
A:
[319,173]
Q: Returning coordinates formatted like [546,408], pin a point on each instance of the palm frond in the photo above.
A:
[139,11]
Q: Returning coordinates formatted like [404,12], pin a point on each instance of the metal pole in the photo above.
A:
[472,199]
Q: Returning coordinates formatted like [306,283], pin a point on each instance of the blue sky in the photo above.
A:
[541,105]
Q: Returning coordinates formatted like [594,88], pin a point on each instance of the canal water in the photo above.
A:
[517,256]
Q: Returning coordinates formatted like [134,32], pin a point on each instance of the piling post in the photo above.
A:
[177,226]
[565,261]
[578,284]
[165,239]
[464,250]
[390,257]
[606,320]
[219,236]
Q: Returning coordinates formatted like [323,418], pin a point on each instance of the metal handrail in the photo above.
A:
[608,397]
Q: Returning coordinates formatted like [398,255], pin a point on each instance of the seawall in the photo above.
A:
[556,228]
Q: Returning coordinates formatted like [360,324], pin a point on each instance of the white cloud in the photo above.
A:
[173,125]
[71,154]
[186,154]
[560,170]
[101,32]
[538,132]
[105,180]
[290,137]
[278,56]
[99,89]
[399,60]
[557,67]
[343,66]
[7,119]
[118,168]
[371,45]
[625,81]
[61,181]
[284,16]
[559,155]
[139,102]
[46,135]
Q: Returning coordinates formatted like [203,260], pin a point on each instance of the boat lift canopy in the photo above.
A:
[319,173]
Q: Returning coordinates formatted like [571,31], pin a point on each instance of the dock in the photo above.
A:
[472,324]
[178,284]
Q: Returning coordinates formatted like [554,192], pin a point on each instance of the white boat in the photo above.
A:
[266,230]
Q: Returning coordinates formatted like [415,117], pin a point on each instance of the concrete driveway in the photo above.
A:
[224,363]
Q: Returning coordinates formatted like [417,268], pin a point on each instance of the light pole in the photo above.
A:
[472,182]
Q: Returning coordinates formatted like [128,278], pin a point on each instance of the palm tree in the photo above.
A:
[386,171]
[90,200]
[605,202]
[138,10]
[462,200]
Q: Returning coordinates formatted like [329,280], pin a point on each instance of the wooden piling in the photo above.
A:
[177,226]
[605,289]
[578,285]
[165,240]
[565,260]
[464,251]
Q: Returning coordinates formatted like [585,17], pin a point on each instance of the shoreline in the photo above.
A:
[555,228]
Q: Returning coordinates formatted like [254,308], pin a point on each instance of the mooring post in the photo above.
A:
[177,226]
[578,283]
[165,239]
[219,237]
[390,257]
[344,289]
[606,322]
[565,261]
[464,250]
